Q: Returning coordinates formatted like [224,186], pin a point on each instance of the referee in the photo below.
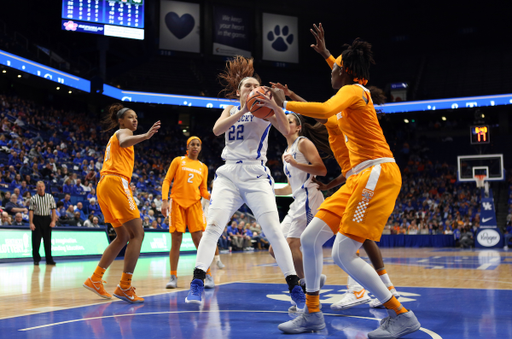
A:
[42,216]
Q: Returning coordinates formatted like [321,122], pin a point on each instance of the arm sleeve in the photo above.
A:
[324,110]
[330,60]
[203,188]
[168,179]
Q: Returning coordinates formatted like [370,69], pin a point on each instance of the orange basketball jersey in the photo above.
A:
[118,160]
[337,143]
[357,119]
[190,181]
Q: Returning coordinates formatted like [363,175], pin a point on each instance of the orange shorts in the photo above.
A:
[116,200]
[192,217]
[364,203]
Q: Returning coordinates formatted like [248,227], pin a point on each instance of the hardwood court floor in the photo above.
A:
[26,289]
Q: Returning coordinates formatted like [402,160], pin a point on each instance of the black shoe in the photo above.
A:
[36,263]
[51,263]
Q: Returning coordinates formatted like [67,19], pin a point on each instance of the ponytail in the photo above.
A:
[110,120]
[237,69]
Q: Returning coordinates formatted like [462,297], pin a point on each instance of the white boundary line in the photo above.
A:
[427,331]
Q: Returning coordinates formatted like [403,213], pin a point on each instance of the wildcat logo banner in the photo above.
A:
[280,38]
[180,26]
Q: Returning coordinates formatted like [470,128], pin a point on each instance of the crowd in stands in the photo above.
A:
[64,149]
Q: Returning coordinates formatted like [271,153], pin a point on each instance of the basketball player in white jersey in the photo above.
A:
[244,178]
[302,163]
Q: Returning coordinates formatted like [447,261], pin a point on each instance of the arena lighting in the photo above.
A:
[19,75]
[406,121]
[443,118]
[43,71]
[70,92]
[4,71]
[58,88]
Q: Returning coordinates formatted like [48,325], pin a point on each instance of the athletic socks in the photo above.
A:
[313,303]
[199,274]
[395,305]
[385,278]
[98,274]
[126,280]
[209,272]
[175,273]
[217,258]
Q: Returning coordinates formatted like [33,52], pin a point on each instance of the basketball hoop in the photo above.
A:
[480,180]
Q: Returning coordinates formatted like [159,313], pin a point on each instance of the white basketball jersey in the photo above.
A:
[298,179]
[247,139]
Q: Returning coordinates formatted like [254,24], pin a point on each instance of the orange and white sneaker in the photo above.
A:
[97,287]
[354,296]
[128,295]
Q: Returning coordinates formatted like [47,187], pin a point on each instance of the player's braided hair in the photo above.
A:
[317,133]
[236,70]
[357,58]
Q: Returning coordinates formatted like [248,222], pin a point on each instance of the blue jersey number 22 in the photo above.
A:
[236,134]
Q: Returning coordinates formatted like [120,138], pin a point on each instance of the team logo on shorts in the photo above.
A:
[360,212]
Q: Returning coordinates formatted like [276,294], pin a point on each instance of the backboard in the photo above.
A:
[490,165]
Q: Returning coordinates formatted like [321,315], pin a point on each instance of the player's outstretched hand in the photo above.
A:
[154,129]
[278,96]
[284,88]
[319,46]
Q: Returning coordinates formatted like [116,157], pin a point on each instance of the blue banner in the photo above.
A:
[487,213]
[231,31]
[43,71]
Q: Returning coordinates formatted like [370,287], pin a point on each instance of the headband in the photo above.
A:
[339,62]
[122,111]
[297,116]
[192,138]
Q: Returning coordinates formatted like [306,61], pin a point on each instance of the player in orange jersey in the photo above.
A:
[190,184]
[117,204]
[368,197]
[356,294]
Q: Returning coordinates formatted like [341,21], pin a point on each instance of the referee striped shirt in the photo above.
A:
[42,205]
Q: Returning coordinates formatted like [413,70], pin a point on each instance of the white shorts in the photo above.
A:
[249,182]
[301,212]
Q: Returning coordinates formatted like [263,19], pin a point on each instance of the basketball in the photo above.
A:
[253,103]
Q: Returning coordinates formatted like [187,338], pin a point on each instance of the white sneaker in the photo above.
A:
[305,322]
[220,264]
[352,298]
[173,283]
[396,326]
[375,303]
[323,278]
[208,281]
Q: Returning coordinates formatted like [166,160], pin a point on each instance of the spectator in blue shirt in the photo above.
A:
[80,208]
[12,207]
[66,201]
[91,194]
[78,159]
[23,188]
[55,139]
[67,188]
[141,186]
[78,189]
[94,206]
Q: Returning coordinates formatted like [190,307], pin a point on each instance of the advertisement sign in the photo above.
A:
[156,242]
[488,238]
[18,243]
[280,38]
[179,26]
[231,31]
[42,71]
